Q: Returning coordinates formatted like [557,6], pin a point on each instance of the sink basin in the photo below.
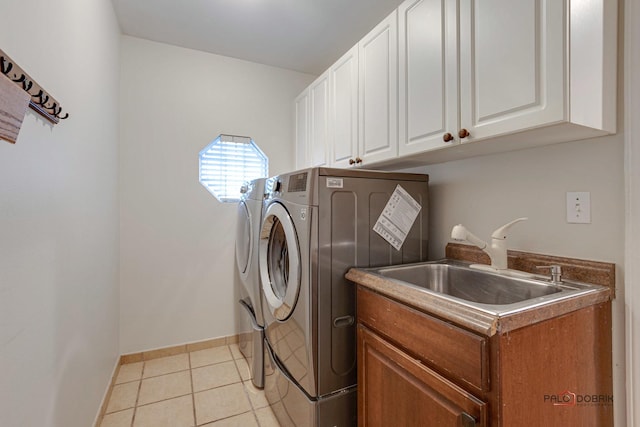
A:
[497,294]
[469,284]
[482,300]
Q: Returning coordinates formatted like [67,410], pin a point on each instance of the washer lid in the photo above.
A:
[243,238]
[279,261]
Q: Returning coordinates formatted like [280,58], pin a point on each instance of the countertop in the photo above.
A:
[470,317]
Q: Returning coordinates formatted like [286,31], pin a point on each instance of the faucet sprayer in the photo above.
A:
[497,251]
[461,233]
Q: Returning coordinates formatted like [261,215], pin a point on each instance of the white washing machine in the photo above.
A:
[318,223]
[251,319]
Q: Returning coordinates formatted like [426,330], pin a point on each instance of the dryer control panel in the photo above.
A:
[298,182]
[293,187]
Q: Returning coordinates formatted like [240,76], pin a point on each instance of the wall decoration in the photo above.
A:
[11,103]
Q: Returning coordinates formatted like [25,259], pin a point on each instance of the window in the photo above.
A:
[229,161]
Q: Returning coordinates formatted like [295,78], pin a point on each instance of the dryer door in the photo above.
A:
[244,239]
[279,261]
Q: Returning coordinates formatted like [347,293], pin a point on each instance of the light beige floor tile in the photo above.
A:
[210,356]
[266,417]
[256,396]
[176,412]
[248,419]
[243,368]
[118,419]
[221,402]
[123,396]
[164,387]
[166,365]
[235,351]
[212,376]
[129,372]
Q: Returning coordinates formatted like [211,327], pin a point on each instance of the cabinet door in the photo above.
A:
[344,109]
[512,65]
[428,74]
[319,121]
[378,92]
[395,389]
[302,129]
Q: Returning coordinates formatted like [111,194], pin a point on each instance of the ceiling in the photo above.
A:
[301,35]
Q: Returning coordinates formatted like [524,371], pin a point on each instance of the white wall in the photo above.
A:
[59,218]
[632,229]
[177,241]
[485,192]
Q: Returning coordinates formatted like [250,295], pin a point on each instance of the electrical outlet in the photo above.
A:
[579,207]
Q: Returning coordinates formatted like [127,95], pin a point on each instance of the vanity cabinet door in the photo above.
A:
[512,66]
[395,389]
[458,354]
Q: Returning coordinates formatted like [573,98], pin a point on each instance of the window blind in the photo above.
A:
[228,162]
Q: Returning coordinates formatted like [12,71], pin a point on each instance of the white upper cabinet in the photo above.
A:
[512,65]
[378,93]
[440,80]
[503,74]
[344,109]
[592,64]
[301,105]
[535,72]
[312,124]
[427,75]
[319,121]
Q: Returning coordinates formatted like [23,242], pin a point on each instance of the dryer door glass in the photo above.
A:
[278,255]
[279,261]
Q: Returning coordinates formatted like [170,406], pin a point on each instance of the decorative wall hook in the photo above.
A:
[5,66]
[38,102]
[19,79]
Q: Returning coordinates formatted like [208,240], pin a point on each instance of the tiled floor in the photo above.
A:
[203,388]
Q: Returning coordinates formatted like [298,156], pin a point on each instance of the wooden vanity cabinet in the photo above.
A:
[397,389]
[415,369]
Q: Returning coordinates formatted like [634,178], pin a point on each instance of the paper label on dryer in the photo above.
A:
[335,183]
[397,217]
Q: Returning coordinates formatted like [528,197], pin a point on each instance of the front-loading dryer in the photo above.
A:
[250,317]
[317,223]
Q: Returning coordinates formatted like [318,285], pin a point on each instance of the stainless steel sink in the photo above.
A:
[469,284]
[488,291]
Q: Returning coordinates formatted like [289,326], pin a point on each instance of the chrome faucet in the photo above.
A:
[497,251]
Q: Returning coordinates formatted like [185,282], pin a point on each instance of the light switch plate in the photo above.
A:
[579,207]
